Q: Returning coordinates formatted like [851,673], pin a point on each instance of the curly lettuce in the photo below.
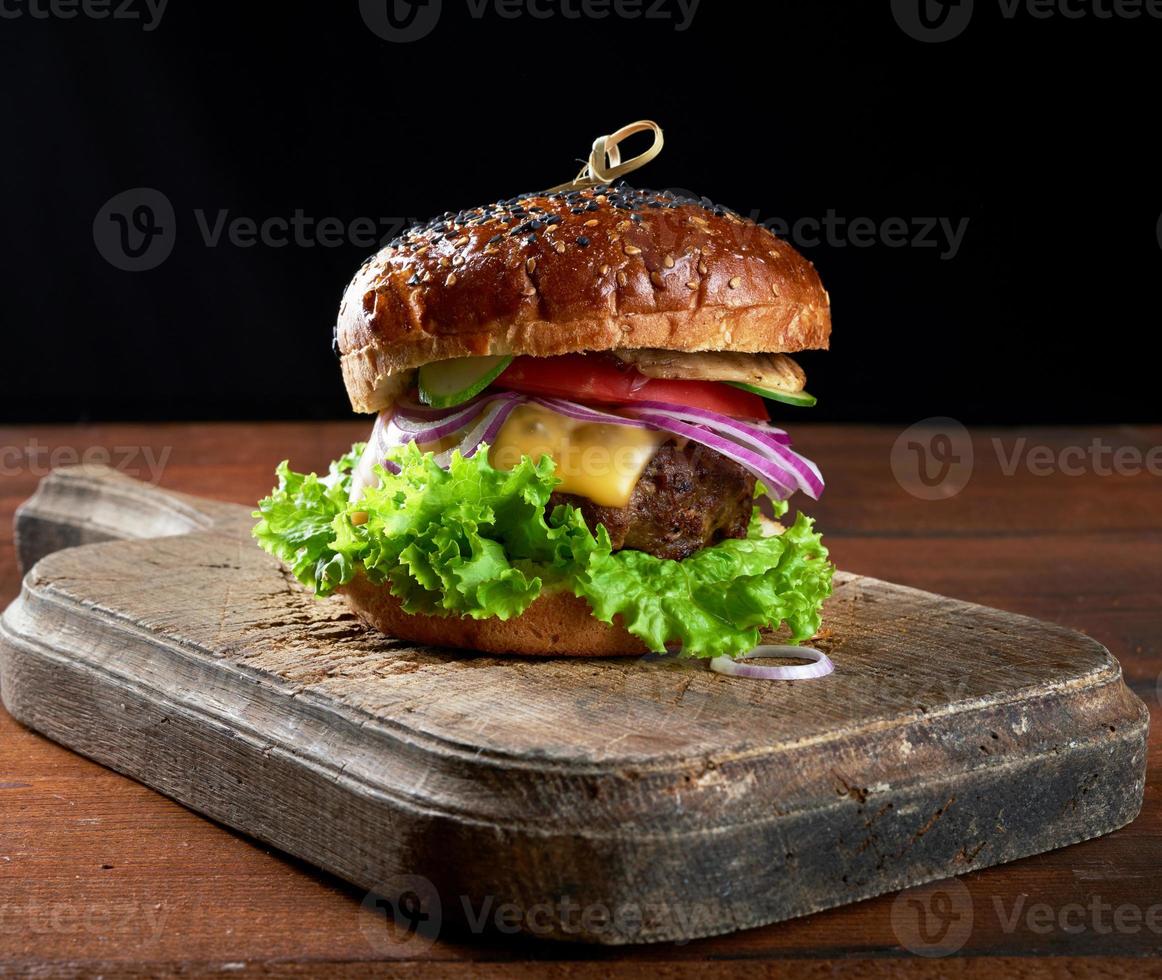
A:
[472,540]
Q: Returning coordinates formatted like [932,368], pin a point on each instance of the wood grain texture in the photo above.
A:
[634,801]
[317,923]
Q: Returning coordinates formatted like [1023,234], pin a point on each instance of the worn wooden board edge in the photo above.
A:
[902,835]
[435,774]
[314,812]
[91,504]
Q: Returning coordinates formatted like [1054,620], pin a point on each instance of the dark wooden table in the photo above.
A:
[100,875]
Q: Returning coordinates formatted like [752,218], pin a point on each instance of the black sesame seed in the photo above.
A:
[582,241]
[635,218]
[536,224]
[552,219]
[532,239]
[593,206]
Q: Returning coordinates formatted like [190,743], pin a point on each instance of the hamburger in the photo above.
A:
[571,452]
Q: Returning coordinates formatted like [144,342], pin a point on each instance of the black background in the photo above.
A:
[1041,132]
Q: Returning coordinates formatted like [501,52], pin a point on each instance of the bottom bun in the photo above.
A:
[555,625]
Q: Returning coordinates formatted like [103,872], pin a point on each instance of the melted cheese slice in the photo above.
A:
[594,460]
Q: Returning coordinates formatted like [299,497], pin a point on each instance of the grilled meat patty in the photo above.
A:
[688,497]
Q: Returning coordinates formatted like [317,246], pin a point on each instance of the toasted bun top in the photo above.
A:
[603,268]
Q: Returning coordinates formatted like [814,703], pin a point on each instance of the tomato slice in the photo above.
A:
[599,378]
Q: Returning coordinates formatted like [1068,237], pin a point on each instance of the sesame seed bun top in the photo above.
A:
[593,269]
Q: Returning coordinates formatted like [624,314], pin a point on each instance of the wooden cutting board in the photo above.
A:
[613,801]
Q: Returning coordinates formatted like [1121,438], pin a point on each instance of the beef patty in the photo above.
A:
[688,497]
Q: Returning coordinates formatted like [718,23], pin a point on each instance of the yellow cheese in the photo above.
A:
[594,460]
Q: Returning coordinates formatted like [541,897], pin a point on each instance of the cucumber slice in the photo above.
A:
[443,384]
[800,398]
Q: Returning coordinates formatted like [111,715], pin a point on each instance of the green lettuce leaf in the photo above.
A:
[472,540]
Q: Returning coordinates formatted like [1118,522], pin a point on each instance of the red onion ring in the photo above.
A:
[483,431]
[762,449]
[732,667]
[419,411]
[776,476]
[777,465]
[804,474]
[755,432]
[583,413]
[432,430]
